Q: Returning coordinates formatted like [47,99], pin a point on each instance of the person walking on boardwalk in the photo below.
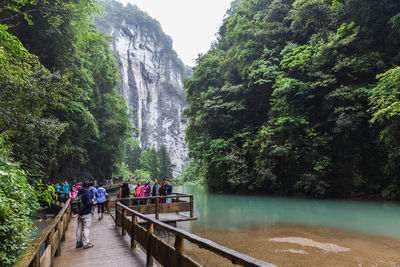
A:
[101,200]
[92,194]
[57,187]
[84,219]
[65,189]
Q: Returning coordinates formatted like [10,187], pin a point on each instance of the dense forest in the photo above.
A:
[60,114]
[300,97]
[61,117]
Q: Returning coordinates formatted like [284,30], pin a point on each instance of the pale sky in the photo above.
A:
[192,24]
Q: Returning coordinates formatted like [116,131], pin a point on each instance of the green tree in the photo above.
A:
[165,163]
[133,152]
[280,102]
[149,162]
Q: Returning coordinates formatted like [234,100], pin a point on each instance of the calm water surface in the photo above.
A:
[238,211]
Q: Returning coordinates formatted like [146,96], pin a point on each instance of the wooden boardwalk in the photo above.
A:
[110,248]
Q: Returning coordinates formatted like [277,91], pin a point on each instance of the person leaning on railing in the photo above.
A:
[124,192]
[139,192]
[146,191]
[155,190]
[163,189]
[168,190]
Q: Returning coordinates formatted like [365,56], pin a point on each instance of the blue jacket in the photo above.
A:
[101,195]
[86,201]
[65,188]
[169,189]
[92,193]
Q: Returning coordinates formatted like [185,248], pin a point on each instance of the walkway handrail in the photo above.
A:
[52,236]
[158,249]
[157,202]
[171,195]
[108,186]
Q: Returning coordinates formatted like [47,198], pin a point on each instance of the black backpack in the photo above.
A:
[77,205]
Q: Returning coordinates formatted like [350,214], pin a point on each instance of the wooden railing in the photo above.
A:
[51,236]
[156,204]
[165,254]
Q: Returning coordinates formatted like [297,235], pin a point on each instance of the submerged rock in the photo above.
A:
[311,243]
[49,216]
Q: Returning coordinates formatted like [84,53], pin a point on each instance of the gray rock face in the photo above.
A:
[151,83]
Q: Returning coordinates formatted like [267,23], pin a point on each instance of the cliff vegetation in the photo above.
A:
[300,97]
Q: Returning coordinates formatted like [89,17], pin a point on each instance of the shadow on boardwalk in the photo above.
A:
[110,249]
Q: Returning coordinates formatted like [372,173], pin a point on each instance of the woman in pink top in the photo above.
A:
[146,189]
[78,186]
[73,194]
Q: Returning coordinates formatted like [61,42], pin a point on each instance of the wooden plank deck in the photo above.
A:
[110,249]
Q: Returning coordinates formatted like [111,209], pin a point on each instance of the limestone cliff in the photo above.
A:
[151,78]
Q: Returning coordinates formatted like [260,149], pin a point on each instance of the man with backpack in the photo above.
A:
[84,209]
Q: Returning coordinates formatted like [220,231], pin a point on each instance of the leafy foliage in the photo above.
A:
[60,114]
[93,118]
[17,204]
[281,102]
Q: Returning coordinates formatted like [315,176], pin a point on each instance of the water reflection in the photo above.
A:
[233,211]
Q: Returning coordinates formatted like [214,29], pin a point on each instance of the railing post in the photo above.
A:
[179,246]
[134,223]
[157,215]
[58,251]
[69,213]
[36,260]
[108,198]
[116,214]
[49,241]
[191,207]
[123,231]
[150,231]
[64,220]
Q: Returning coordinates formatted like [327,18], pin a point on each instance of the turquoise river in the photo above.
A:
[297,231]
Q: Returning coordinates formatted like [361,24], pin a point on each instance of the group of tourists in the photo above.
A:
[145,191]
[63,188]
[84,199]
[89,194]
